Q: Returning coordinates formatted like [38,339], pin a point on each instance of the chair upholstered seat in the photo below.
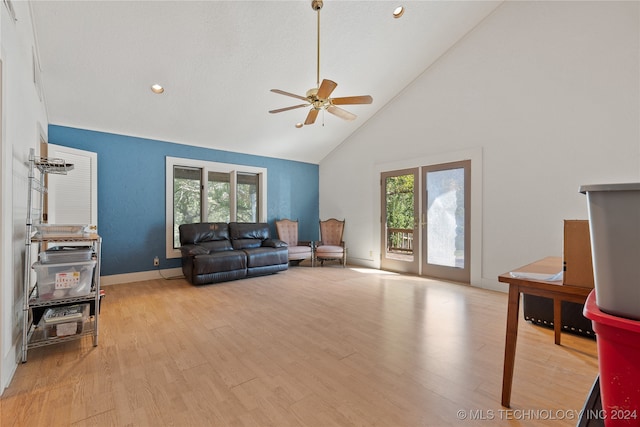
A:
[299,252]
[326,250]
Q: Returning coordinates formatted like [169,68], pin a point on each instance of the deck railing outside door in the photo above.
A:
[400,240]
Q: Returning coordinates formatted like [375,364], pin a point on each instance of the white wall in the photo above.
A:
[24,120]
[548,92]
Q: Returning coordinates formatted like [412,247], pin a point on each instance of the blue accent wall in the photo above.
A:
[131,193]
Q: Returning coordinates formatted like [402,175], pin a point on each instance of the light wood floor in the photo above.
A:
[306,347]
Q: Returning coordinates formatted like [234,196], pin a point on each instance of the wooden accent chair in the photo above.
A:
[298,250]
[331,246]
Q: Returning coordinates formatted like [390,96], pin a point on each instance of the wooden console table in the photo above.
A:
[554,290]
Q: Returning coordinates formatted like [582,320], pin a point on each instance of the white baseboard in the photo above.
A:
[9,366]
[362,262]
[115,279]
[140,276]
[492,285]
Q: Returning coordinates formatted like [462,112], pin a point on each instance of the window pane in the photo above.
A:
[218,197]
[187,201]
[399,199]
[445,218]
[247,197]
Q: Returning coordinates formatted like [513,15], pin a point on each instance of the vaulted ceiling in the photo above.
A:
[218,60]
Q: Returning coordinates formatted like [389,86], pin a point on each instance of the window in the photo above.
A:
[247,195]
[219,197]
[199,191]
[187,202]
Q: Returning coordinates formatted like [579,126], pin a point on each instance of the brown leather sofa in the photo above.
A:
[216,251]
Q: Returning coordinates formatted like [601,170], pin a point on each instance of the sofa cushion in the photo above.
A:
[259,257]
[219,261]
[247,235]
[216,245]
[219,276]
[203,232]
[246,243]
[248,230]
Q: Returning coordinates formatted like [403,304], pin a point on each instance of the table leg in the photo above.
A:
[513,309]
[557,319]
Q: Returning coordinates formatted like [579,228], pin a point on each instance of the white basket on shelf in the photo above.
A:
[47,230]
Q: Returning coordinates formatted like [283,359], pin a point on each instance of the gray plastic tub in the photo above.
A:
[614,226]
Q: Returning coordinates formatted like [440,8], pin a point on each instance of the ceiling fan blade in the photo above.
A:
[280,110]
[311,117]
[343,114]
[293,95]
[364,99]
[325,89]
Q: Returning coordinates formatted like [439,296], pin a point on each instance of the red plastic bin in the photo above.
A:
[618,341]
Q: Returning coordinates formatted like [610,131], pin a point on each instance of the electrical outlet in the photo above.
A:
[370,254]
[156,262]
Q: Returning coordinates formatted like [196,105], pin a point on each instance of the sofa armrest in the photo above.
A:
[193,250]
[274,243]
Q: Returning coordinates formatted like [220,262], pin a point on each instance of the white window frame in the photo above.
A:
[207,167]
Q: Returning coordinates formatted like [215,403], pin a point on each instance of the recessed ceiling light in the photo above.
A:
[299,125]
[398,11]
[156,88]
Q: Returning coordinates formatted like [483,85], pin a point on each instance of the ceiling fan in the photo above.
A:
[319,97]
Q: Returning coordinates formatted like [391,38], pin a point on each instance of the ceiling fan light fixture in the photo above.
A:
[398,11]
[156,88]
[299,125]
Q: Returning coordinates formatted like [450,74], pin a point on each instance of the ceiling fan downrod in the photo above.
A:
[317,5]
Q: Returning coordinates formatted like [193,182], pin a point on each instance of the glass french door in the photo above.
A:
[445,221]
[400,221]
[425,221]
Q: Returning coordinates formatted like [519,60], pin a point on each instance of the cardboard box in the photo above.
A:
[577,263]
